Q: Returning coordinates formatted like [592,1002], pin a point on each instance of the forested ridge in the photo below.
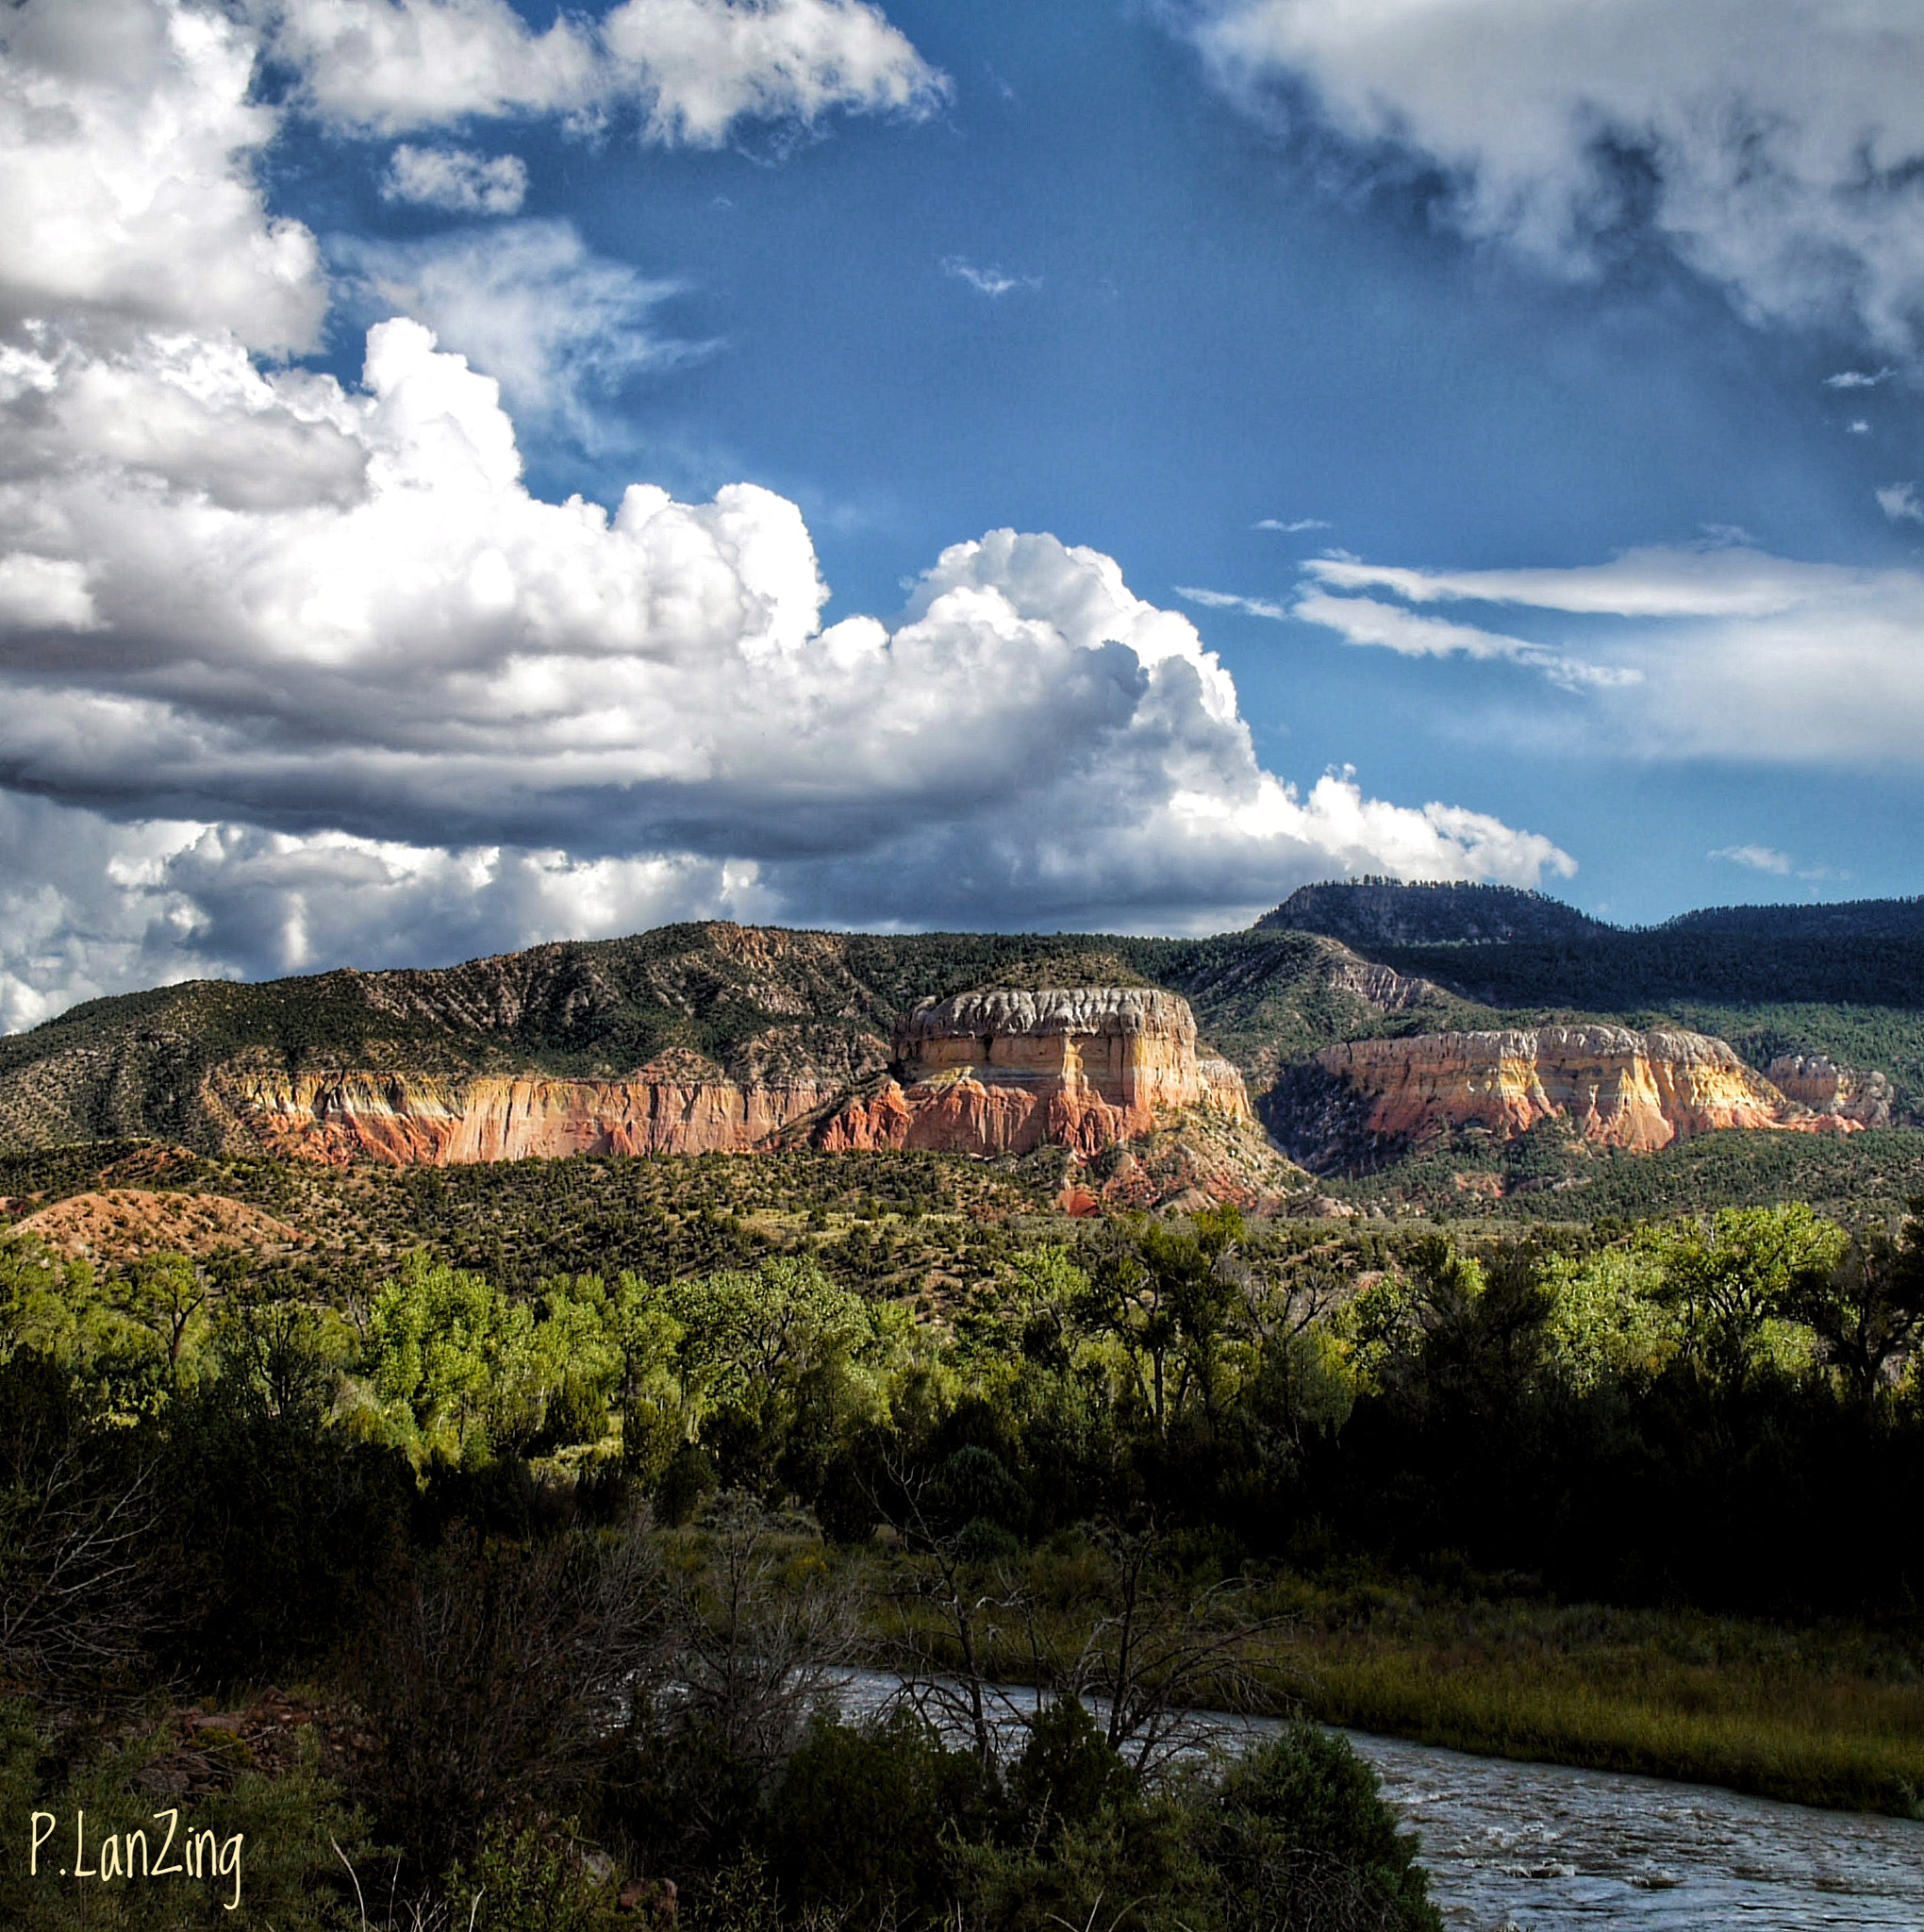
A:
[756,1004]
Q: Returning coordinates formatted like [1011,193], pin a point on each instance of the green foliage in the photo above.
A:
[1609,1318]
[1133,1867]
[62,1312]
[290,1873]
[1301,1838]
[1068,1772]
[1735,1282]
[864,1822]
[276,1528]
[453,1363]
[1867,1310]
[536,1879]
[1618,972]
[1167,1302]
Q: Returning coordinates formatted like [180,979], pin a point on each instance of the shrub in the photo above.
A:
[1303,1842]
[860,1821]
[1067,1773]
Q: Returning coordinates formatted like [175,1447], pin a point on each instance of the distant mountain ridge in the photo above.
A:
[717,1021]
[1854,919]
[1368,911]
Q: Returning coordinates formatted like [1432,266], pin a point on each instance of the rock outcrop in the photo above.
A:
[1005,1071]
[1816,1081]
[417,1120]
[1611,1086]
[987,1072]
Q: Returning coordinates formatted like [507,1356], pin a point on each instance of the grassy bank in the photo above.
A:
[1831,1716]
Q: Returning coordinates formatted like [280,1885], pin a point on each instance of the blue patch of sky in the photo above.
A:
[1198,338]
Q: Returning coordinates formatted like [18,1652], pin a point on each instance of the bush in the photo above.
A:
[1303,1842]
[860,1821]
[535,1880]
[286,1866]
[1067,1773]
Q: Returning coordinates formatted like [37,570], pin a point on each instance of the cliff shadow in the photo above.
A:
[1321,1121]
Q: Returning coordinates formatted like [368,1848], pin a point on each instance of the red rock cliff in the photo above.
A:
[999,1071]
[1616,1088]
[985,1073]
[417,1120]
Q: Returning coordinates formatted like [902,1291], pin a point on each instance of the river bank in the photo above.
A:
[1830,1716]
[1514,1847]
[1511,1846]
[1821,1715]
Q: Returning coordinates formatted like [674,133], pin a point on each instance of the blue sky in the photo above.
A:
[1454,437]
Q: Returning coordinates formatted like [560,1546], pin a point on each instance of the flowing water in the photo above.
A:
[1548,1849]
[1543,1848]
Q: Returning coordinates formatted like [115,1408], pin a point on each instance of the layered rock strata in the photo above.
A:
[1005,1071]
[1615,1087]
[1850,1093]
[986,1072]
[415,1120]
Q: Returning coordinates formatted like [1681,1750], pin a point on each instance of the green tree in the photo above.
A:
[1867,1310]
[1168,1298]
[1733,1280]
[452,1361]
[167,1295]
[1301,1841]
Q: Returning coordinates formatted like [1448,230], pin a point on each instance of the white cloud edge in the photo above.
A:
[1772,142]
[691,70]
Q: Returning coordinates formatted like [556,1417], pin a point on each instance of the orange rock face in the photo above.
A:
[1616,1088]
[1816,1081]
[408,1120]
[985,1074]
[1003,1072]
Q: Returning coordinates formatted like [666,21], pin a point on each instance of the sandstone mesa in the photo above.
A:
[985,1073]
[1614,1086]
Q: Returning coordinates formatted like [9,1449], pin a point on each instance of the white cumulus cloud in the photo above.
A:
[1775,144]
[293,670]
[127,143]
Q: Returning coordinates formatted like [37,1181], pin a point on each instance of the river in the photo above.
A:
[1514,1847]
[1548,1849]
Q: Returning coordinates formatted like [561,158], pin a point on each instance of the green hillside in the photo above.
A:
[763,1003]
[759,1003]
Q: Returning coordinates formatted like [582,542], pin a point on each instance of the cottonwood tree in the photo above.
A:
[1867,1312]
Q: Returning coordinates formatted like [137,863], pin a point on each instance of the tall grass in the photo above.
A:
[1831,1717]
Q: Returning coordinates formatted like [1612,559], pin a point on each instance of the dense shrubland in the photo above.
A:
[564,1573]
